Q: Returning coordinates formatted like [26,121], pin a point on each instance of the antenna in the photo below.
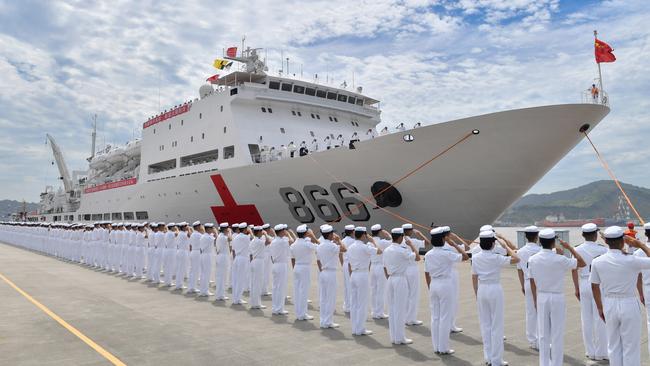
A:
[288,66]
[94,137]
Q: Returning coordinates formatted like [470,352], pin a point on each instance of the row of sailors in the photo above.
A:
[384,265]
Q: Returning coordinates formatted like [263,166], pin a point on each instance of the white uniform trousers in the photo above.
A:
[257,278]
[327,296]
[455,293]
[490,313]
[531,316]
[301,279]
[440,299]
[240,267]
[267,273]
[206,272]
[623,324]
[359,288]
[646,294]
[195,270]
[594,333]
[220,275]
[279,272]
[346,286]
[157,264]
[377,289]
[396,295]
[413,278]
[168,265]
[551,314]
[140,261]
[182,260]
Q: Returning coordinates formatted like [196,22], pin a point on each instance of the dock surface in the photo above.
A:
[144,324]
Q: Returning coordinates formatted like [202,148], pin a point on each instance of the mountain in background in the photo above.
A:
[600,199]
[7,207]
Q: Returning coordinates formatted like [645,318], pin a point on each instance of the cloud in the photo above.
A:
[427,61]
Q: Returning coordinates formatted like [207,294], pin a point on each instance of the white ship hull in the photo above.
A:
[470,185]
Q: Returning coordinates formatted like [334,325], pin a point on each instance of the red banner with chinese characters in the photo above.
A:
[111,185]
[167,115]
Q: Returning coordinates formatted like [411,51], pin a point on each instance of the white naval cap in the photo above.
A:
[326,229]
[171,224]
[243,225]
[646,226]
[407,226]
[486,234]
[257,228]
[301,229]
[208,224]
[236,225]
[547,234]
[613,232]
[397,230]
[183,223]
[196,223]
[486,228]
[118,224]
[89,226]
[589,228]
[266,226]
[349,227]
[446,229]
[437,231]
[375,227]
[278,227]
[531,229]
[360,229]
[223,225]
[153,224]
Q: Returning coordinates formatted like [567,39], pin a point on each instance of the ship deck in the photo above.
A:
[142,324]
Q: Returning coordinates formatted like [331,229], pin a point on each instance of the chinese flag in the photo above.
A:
[231,52]
[603,52]
[212,79]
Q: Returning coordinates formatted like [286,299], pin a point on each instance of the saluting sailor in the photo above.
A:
[449,237]
[241,263]
[413,276]
[267,262]
[594,334]
[613,278]
[438,271]
[257,248]
[206,248]
[182,254]
[327,254]
[531,248]
[547,273]
[645,278]
[486,280]
[280,254]
[396,259]
[359,254]
[302,257]
[377,276]
[222,261]
[169,253]
[347,240]
[141,251]
[195,257]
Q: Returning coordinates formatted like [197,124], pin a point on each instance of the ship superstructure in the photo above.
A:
[255,147]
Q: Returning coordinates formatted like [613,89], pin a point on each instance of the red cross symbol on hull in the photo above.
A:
[231,212]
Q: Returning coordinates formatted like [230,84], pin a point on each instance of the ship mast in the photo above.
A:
[94,137]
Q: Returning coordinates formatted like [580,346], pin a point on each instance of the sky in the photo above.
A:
[428,61]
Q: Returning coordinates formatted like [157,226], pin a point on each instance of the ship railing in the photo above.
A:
[588,98]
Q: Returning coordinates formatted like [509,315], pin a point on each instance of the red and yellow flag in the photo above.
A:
[603,52]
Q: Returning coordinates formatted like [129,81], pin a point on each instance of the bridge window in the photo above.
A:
[321,93]
[117,216]
[128,216]
[94,217]
[141,215]
[298,89]
[360,101]
[229,152]
[274,85]
[310,91]
[162,166]
[352,100]
[200,158]
[86,217]
[107,216]
[342,98]
[286,87]
[331,95]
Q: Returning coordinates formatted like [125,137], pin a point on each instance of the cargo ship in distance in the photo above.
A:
[255,147]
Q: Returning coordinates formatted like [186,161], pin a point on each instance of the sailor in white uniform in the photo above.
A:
[169,253]
[141,246]
[206,249]
[378,279]
[280,254]
[455,282]
[645,279]
[594,334]
[159,241]
[486,280]
[327,254]
[396,259]
[438,271]
[241,263]
[413,276]
[359,254]
[547,272]
[302,258]
[257,248]
[267,262]
[347,240]
[524,253]
[222,261]
[613,278]
[182,255]
[195,257]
